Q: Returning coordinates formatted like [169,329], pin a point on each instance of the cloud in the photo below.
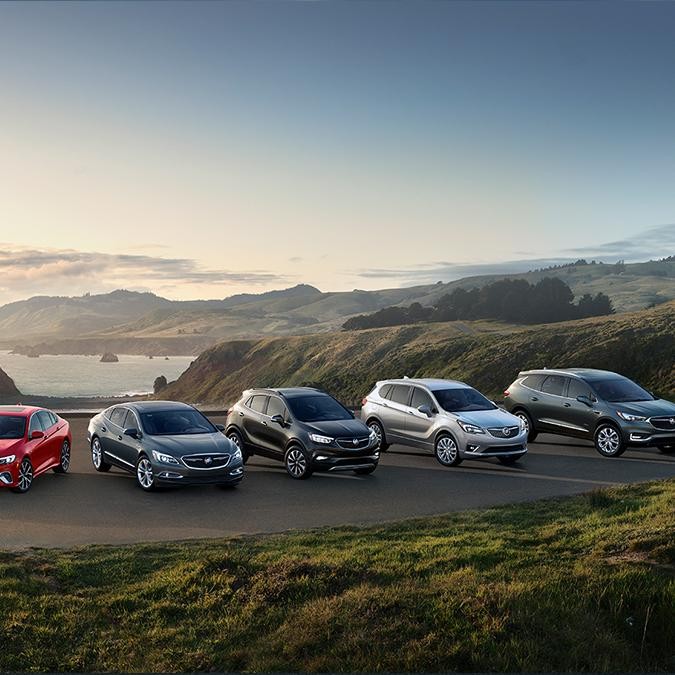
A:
[25,271]
[656,242]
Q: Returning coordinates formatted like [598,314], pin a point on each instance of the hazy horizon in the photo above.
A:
[200,150]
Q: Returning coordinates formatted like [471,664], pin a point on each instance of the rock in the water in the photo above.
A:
[109,357]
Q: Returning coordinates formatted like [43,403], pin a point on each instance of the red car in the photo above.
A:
[32,441]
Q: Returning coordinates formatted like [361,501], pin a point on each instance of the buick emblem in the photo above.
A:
[507,431]
[208,460]
[672,420]
[355,442]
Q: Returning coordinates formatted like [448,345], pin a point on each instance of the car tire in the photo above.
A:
[365,471]
[145,475]
[608,440]
[97,456]
[26,476]
[447,450]
[532,433]
[509,461]
[667,449]
[375,426]
[237,439]
[64,460]
[297,463]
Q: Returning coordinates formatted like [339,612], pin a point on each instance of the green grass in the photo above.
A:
[584,583]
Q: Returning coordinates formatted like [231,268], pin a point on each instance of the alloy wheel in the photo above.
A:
[25,476]
[296,463]
[375,427]
[608,440]
[65,456]
[96,453]
[144,473]
[446,451]
[525,420]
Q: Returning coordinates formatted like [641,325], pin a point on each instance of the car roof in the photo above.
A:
[287,392]
[588,374]
[20,410]
[154,406]
[428,382]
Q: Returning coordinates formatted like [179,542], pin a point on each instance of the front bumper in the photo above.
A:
[645,435]
[9,474]
[169,474]
[479,446]
[337,459]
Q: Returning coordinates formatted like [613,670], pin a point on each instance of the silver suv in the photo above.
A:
[450,418]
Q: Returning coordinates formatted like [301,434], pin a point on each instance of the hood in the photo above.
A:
[488,418]
[658,408]
[189,444]
[7,445]
[339,428]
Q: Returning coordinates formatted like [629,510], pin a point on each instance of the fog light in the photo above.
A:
[638,437]
[321,458]
[6,477]
[472,448]
[236,472]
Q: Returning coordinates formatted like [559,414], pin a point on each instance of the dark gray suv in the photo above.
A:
[607,408]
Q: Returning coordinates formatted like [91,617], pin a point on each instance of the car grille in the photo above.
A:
[504,432]
[206,461]
[498,449]
[667,423]
[349,444]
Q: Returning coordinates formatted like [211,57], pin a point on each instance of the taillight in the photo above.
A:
[507,393]
[364,401]
[229,410]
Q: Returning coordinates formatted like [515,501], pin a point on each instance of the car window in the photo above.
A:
[554,384]
[462,399]
[276,407]
[12,427]
[578,388]
[45,420]
[182,422]
[35,424]
[400,394]
[420,397]
[385,390]
[534,381]
[130,421]
[257,403]
[621,390]
[318,408]
[117,416]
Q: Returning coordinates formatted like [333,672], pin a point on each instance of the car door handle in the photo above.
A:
[264,423]
[241,414]
[119,438]
[567,405]
[103,429]
[533,398]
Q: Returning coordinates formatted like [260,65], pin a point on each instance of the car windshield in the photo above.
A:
[317,409]
[12,427]
[462,399]
[620,390]
[176,423]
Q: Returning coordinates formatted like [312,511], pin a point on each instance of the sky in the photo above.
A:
[204,149]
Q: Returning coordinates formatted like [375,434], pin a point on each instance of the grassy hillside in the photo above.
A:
[641,345]
[576,584]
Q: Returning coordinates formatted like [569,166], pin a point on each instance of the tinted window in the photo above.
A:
[45,419]
[578,388]
[554,384]
[317,408]
[176,423]
[35,424]
[12,427]
[534,381]
[117,416]
[130,421]
[386,390]
[257,403]
[276,407]
[420,397]
[621,390]
[400,393]
[462,399]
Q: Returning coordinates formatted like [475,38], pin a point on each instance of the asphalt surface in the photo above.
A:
[85,507]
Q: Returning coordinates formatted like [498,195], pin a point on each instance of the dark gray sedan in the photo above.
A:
[163,443]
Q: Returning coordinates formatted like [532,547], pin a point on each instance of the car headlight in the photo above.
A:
[237,453]
[165,459]
[7,459]
[470,428]
[631,418]
[318,438]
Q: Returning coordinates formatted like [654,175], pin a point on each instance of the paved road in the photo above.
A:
[85,507]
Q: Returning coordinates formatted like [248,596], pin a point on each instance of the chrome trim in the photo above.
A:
[351,467]
[206,454]
[119,459]
[562,424]
[660,417]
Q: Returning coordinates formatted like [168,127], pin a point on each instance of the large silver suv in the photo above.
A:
[447,417]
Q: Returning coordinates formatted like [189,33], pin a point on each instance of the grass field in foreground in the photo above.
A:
[580,583]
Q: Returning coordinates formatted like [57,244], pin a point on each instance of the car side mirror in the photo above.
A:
[36,434]
[585,400]
[425,410]
[220,427]
[133,433]
[278,419]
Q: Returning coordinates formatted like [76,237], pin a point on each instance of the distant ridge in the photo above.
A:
[8,391]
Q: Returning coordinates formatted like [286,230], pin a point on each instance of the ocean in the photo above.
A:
[68,375]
